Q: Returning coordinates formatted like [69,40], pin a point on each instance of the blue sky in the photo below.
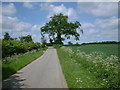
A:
[99,19]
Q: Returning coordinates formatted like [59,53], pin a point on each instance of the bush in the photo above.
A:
[48,44]
[11,47]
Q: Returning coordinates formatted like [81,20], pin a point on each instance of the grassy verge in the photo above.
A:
[83,70]
[75,75]
[12,64]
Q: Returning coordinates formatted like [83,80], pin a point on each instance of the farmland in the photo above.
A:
[90,66]
[107,49]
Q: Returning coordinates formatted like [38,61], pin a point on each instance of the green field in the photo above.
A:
[90,66]
[107,49]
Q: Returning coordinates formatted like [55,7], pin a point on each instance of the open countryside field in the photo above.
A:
[59,44]
[107,49]
[90,66]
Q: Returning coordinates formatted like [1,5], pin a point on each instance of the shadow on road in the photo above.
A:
[13,81]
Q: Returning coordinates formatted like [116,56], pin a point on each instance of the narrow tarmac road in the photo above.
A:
[45,72]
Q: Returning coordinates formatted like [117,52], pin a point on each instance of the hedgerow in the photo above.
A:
[12,47]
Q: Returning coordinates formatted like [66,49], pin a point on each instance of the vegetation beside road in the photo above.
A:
[90,66]
[11,65]
[18,53]
[12,47]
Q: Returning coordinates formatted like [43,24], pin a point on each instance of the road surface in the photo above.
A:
[45,72]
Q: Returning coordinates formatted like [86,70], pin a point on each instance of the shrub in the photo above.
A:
[11,47]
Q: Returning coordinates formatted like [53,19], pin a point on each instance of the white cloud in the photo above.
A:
[72,13]
[109,28]
[102,9]
[100,29]
[109,23]
[28,4]
[0,17]
[37,27]
[17,28]
[13,24]
[22,26]
[86,25]
[36,37]
[8,22]
[0,9]
[8,9]
[52,9]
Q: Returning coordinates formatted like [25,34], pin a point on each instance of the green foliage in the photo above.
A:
[75,75]
[103,42]
[57,45]
[95,68]
[11,65]
[10,47]
[27,38]
[48,44]
[58,26]
[6,36]
[70,43]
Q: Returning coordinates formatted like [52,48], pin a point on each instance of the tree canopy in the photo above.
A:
[27,38]
[58,26]
[8,37]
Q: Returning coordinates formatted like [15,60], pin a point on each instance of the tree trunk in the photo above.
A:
[59,39]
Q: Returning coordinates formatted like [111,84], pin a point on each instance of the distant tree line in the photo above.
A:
[23,39]
[102,42]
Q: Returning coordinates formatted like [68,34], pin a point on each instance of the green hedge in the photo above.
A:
[11,47]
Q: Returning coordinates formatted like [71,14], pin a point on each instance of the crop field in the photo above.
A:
[107,49]
[90,66]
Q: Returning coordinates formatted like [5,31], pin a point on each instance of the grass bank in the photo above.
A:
[11,65]
[93,69]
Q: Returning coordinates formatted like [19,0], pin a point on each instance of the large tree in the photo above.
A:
[58,26]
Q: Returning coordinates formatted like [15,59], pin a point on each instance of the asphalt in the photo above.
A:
[44,72]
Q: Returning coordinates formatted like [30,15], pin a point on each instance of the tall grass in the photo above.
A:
[11,65]
[93,70]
